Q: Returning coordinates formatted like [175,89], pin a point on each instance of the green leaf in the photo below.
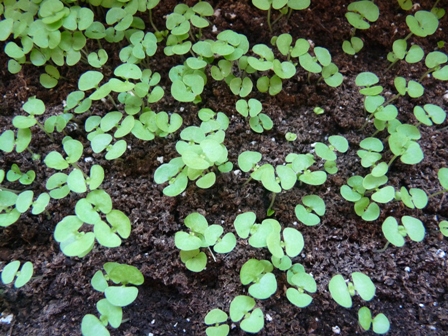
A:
[92,326]
[194,260]
[339,291]
[120,295]
[363,285]
[391,231]
[414,228]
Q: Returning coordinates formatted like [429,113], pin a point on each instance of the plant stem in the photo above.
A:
[151,21]
[269,19]
[383,249]
[437,193]
[272,202]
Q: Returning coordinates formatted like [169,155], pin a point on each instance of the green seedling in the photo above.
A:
[242,308]
[342,292]
[412,88]
[25,200]
[142,45]
[50,78]
[9,141]
[300,164]
[110,308]
[395,233]
[241,87]
[429,114]
[273,85]
[177,45]
[34,107]
[442,175]
[215,318]
[11,273]
[443,226]
[414,198]
[179,22]
[291,245]
[151,124]
[370,154]
[98,59]
[434,61]
[303,283]
[315,64]
[284,45]
[361,13]
[327,153]
[201,235]
[368,79]
[318,110]
[380,323]
[331,75]
[14,174]
[258,121]
[258,274]
[201,149]
[258,234]
[304,213]
[222,70]
[57,122]
[355,191]
[188,84]
[375,105]
[73,242]
[289,136]
[402,143]
[231,45]
[423,23]
[400,52]
[353,46]
[73,149]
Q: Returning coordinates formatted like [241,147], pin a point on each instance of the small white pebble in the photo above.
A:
[336,330]
[181,109]
[268,318]
[237,172]
[407,269]
[421,305]
[7,319]
[160,159]
[153,321]
[88,159]
[214,29]
[440,253]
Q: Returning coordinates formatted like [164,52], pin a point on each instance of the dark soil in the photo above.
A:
[411,282]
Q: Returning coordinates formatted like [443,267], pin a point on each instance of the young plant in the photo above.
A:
[201,235]
[201,149]
[303,283]
[327,153]
[429,114]
[395,233]
[300,164]
[402,143]
[215,319]
[242,308]
[11,273]
[342,292]
[380,323]
[259,274]
[304,213]
[110,308]
[258,121]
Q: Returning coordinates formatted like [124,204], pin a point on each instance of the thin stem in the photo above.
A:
[437,193]
[278,18]
[383,249]
[151,21]
[269,19]
[392,160]
[272,202]
[213,256]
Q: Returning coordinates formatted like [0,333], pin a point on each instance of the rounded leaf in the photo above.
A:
[339,291]
[120,295]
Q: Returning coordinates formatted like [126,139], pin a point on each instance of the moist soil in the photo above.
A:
[411,282]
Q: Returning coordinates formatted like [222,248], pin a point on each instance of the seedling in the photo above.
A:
[434,61]
[368,79]
[273,85]
[289,136]
[110,308]
[429,114]
[284,45]
[442,175]
[403,144]
[318,110]
[258,121]
[215,318]
[258,273]
[305,213]
[245,226]
[400,51]
[303,283]
[414,198]
[201,235]
[361,13]
[300,164]
[353,46]
[342,292]
[395,233]
[242,309]
[423,23]
[327,153]
[380,323]
[11,273]
[412,88]
[292,243]
[9,141]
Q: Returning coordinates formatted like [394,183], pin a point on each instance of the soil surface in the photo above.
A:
[411,282]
